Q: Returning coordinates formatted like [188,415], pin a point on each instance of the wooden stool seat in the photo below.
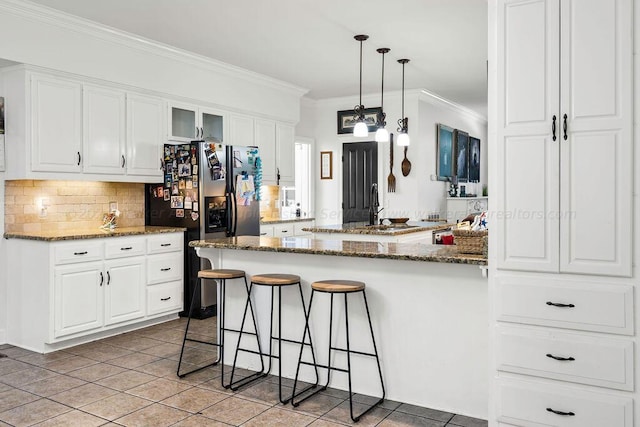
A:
[220,274]
[338,286]
[275,279]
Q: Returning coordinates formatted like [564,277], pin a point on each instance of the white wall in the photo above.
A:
[65,43]
[416,195]
[3,269]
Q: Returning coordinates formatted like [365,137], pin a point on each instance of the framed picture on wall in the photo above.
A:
[347,120]
[444,162]
[461,140]
[474,159]
[326,165]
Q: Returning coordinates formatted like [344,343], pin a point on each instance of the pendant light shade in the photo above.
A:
[403,123]
[360,129]
[382,135]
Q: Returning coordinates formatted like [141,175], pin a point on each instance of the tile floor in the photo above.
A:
[130,380]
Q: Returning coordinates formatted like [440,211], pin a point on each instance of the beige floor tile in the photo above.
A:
[33,412]
[26,376]
[73,418]
[195,378]
[135,343]
[400,419]
[159,389]
[69,364]
[163,350]
[5,387]
[83,395]
[173,335]
[52,385]
[419,411]
[325,423]
[155,415]
[14,397]
[116,406]
[133,360]
[159,368]
[126,380]
[42,359]
[234,411]
[318,405]
[9,366]
[104,353]
[462,421]
[341,414]
[96,372]
[17,352]
[266,392]
[280,417]
[194,400]
[199,421]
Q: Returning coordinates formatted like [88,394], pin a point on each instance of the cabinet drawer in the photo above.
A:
[127,247]
[589,306]
[524,403]
[160,243]
[297,228]
[164,268]
[164,297]
[266,230]
[82,251]
[283,230]
[597,361]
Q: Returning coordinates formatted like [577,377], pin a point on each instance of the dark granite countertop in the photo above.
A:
[399,251]
[268,221]
[382,230]
[93,233]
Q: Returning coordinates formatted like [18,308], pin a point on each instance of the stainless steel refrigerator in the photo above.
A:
[213,190]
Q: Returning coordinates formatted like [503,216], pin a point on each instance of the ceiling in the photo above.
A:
[310,42]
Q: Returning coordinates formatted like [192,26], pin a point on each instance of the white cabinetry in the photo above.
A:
[92,287]
[459,207]
[66,128]
[275,141]
[562,330]
[103,119]
[55,123]
[549,145]
[192,122]
[286,229]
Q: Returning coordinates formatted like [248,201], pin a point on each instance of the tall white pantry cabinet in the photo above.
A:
[562,273]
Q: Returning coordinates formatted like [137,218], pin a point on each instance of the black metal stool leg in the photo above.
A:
[186,331]
[302,344]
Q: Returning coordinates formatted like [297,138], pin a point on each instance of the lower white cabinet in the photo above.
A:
[286,229]
[67,290]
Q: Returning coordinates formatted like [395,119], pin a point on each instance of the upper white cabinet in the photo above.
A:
[145,134]
[191,122]
[564,131]
[285,153]
[103,129]
[63,128]
[275,141]
[56,121]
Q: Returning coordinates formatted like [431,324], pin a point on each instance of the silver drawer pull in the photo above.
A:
[165,299]
[164,245]
[562,359]
[81,253]
[566,414]
[165,269]
[128,248]
[557,304]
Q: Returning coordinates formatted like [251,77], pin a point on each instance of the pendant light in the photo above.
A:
[382,135]
[403,123]
[360,129]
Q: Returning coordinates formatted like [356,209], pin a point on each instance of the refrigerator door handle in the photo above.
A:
[235,214]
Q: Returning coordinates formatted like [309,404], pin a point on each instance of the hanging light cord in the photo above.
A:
[383,116]
[359,109]
[402,123]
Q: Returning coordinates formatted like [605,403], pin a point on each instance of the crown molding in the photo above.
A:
[435,99]
[46,15]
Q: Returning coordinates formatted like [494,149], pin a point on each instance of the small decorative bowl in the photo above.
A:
[398,220]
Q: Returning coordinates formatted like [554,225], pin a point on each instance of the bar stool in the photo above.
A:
[342,287]
[274,281]
[221,276]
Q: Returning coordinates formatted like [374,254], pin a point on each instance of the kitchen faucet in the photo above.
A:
[374,205]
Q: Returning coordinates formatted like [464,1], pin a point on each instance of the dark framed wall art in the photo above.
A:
[474,159]
[445,161]
[461,140]
[347,119]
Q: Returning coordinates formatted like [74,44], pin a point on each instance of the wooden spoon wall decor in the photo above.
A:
[406,164]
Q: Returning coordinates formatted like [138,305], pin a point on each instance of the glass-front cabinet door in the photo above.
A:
[212,125]
[183,126]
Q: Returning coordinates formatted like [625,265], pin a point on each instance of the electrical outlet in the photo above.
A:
[44,204]
[113,206]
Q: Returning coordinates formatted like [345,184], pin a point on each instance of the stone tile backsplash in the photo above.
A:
[72,204]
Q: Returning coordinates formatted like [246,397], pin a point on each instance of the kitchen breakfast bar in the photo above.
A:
[428,305]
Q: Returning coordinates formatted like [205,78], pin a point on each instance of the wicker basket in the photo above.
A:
[471,242]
